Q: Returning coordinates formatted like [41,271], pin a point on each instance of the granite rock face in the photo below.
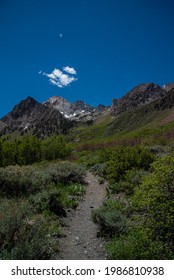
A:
[78,111]
[54,116]
[58,115]
[139,95]
[166,102]
[39,119]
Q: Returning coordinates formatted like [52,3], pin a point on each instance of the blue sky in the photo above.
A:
[94,50]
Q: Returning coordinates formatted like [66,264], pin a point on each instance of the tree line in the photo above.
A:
[30,149]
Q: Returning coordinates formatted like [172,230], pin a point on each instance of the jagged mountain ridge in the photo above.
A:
[159,111]
[31,115]
[168,87]
[78,111]
[58,115]
[166,102]
[139,95]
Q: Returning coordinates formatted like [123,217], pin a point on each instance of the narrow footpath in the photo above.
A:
[80,241]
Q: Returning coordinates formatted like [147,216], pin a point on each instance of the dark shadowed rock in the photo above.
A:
[139,95]
[39,119]
[166,102]
[77,111]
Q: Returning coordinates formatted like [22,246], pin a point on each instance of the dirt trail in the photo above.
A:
[81,241]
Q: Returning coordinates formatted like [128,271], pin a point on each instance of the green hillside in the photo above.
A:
[40,179]
[144,124]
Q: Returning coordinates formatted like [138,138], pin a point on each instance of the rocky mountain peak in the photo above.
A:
[58,115]
[23,108]
[139,95]
[77,111]
[39,119]
[56,100]
[59,103]
[167,101]
[29,102]
[149,89]
[81,105]
[168,87]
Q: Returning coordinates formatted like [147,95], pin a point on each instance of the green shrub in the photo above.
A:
[37,244]
[99,169]
[66,173]
[30,149]
[126,247]
[150,225]
[110,218]
[136,245]
[55,148]
[57,198]
[130,181]
[48,200]
[9,153]
[120,186]
[12,218]
[123,159]
[24,236]
[133,246]
[22,180]
[105,154]
[71,195]
[76,190]
[26,180]
[155,197]
[88,159]
[15,180]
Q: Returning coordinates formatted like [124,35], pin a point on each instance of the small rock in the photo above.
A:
[86,252]
[77,238]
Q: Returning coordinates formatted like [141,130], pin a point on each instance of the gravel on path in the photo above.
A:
[80,241]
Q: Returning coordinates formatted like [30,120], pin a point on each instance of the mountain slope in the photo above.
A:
[30,115]
[146,105]
[141,94]
[154,119]
[78,111]
[166,102]
[151,115]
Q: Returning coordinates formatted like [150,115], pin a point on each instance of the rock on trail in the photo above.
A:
[81,241]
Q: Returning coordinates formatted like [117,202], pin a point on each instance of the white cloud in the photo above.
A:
[51,76]
[69,70]
[60,79]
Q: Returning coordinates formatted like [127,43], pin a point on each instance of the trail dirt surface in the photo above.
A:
[80,241]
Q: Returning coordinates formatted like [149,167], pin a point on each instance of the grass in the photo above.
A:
[143,125]
[33,199]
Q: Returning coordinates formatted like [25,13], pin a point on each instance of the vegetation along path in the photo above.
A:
[80,241]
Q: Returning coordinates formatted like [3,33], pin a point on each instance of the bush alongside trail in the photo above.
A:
[32,201]
[138,218]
